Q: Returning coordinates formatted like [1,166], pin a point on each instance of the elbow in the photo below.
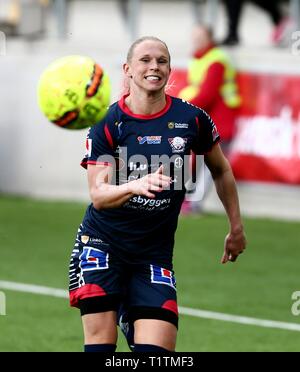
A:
[218,172]
[97,205]
[96,201]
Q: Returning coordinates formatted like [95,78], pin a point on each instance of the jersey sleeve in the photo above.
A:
[210,87]
[207,133]
[100,145]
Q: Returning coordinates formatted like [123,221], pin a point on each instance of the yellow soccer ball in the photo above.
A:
[74,92]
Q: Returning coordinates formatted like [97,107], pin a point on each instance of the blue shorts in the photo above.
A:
[100,281]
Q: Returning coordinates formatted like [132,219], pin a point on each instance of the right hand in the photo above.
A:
[235,244]
[156,182]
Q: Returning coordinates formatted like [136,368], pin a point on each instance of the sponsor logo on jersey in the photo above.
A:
[135,167]
[172,125]
[84,239]
[150,202]
[150,140]
[159,275]
[87,239]
[93,259]
[177,144]
[97,241]
[146,204]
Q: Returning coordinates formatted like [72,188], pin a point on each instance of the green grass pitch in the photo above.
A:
[36,241]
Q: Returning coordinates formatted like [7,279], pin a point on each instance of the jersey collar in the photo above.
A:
[127,111]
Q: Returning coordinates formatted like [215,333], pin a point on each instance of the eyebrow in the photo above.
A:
[148,55]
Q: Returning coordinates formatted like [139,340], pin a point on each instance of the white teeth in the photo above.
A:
[152,78]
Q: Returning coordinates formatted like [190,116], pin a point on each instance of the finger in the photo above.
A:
[148,194]
[162,181]
[164,184]
[225,258]
[161,177]
[167,179]
[156,188]
[160,170]
[233,257]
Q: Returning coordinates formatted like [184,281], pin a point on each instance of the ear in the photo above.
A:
[127,70]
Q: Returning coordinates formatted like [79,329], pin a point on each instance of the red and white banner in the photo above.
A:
[266,147]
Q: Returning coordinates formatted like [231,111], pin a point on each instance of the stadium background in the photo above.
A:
[42,186]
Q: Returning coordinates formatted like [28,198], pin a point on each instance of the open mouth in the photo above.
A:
[153,78]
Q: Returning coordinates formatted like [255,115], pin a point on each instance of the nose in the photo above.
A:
[154,64]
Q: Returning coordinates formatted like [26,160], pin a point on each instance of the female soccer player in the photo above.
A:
[121,265]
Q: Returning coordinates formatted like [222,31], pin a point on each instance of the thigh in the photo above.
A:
[155,332]
[153,305]
[100,328]
[95,277]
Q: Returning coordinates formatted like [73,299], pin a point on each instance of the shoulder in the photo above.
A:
[217,52]
[107,127]
[184,106]
[110,118]
[112,113]
[219,56]
[188,113]
[188,108]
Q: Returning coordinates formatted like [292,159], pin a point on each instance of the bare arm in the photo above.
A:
[104,195]
[235,241]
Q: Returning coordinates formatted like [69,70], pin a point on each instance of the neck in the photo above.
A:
[145,103]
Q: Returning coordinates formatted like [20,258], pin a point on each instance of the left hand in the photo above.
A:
[235,244]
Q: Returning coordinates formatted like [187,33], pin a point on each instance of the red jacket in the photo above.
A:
[210,100]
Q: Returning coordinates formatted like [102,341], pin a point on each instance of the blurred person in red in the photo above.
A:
[212,86]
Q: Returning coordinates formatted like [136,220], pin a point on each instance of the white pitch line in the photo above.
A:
[61,293]
[31,288]
[239,319]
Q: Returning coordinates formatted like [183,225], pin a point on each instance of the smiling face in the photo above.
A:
[148,67]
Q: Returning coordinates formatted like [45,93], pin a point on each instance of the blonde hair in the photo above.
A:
[141,40]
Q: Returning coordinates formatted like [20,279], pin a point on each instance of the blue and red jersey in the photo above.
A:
[143,229]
